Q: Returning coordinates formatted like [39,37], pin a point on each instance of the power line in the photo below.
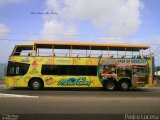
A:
[23,33]
[156,49]
[6,39]
[157,54]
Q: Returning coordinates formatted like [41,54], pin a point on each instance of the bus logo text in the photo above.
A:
[73,81]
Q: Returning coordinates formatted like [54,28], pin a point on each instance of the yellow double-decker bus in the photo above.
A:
[76,64]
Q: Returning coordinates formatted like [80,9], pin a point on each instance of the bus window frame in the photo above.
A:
[15,53]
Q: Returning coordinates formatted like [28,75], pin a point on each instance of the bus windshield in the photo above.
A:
[22,50]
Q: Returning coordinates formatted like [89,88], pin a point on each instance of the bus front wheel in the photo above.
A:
[110,85]
[36,84]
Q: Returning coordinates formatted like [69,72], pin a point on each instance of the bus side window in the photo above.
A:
[69,70]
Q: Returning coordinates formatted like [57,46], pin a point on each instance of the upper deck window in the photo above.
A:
[76,49]
[22,51]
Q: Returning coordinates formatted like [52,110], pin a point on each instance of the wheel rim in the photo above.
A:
[110,85]
[36,85]
[124,86]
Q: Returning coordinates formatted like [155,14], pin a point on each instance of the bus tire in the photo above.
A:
[36,84]
[124,85]
[110,85]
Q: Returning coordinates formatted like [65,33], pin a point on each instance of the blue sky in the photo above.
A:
[102,21]
[18,17]
[150,17]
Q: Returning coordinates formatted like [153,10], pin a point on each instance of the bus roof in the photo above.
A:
[24,44]
[92,46]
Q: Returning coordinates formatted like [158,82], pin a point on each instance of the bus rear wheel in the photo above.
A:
[110,85]
[124,85]
[36,84]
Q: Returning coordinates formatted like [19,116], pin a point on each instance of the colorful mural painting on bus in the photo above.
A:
[34,66]
[92,61]
[76,61]
[15,81]
[72,81]
[50,61]
[50,81]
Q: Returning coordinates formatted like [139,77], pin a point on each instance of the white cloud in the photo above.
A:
[3,30]
[4,44]
[53,30]
[116,18]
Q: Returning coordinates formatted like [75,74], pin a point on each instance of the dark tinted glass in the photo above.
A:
[92,70]
[82,70]
[69,70]
[63,69]
[72,69]
[48,69]
[15,68]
